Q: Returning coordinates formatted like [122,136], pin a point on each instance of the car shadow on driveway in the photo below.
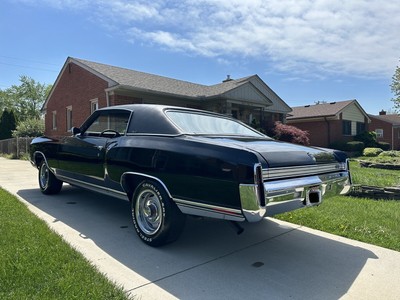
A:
[210,261]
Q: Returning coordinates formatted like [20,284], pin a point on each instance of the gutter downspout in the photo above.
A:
[329,130]
[392,137]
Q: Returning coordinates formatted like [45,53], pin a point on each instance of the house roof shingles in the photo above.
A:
[161,84]
[318,110]
[393,119]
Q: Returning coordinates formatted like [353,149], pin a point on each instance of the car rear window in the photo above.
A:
[198,123]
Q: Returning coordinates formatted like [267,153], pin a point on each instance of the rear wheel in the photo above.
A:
[156,218]
[48,183]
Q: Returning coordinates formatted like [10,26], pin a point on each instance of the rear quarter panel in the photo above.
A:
[191,170]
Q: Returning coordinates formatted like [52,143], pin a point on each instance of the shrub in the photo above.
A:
[292,134]
[372,152]
[355,146]
[338,145]
[384,146]
[368,138]
[391,153]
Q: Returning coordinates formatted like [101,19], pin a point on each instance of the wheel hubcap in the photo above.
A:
[148,212]
[44,176]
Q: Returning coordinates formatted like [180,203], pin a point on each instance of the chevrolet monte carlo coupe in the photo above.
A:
[170,162]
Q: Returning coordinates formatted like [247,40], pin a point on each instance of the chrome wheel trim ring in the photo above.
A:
[44,176]
[148,212]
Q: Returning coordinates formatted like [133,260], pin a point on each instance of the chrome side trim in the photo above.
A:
[122,180]
[210,211]
[34,157]
[285,172]
[52,170]
[93,187]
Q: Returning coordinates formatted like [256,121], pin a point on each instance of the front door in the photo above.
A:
[82,156]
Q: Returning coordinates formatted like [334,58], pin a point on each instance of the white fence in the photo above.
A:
[15,146]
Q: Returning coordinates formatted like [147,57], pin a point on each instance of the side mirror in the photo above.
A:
[75,130]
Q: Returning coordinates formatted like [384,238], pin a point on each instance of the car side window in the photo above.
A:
[107,124]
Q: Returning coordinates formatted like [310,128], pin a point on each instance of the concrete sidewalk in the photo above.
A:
[270,260]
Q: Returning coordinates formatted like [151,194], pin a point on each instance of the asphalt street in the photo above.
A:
[270,260]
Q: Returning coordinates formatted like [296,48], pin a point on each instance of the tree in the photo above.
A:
[31,127]
[395,87]
[25,99]
[3,101]
[7,124]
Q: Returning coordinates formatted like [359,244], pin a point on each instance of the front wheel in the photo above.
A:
[156,218]
[48,183]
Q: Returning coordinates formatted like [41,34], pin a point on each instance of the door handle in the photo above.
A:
[111,145]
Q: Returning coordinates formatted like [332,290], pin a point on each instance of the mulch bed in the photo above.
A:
[369,164]
[388,193]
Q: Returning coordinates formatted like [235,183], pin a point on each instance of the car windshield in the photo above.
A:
[198,123]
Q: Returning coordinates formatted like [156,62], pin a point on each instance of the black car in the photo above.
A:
[171,162]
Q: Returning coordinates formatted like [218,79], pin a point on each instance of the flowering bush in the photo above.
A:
[292,134]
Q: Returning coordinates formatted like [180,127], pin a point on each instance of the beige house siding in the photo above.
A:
[353,113]
[277,104]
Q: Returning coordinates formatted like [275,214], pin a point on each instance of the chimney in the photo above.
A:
[228,78]
[382,113]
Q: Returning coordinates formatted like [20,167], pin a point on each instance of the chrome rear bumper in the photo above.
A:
[288,194]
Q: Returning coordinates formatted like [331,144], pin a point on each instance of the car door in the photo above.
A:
[82,156]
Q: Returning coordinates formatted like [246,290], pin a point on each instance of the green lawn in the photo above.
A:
[35,263]
[372,221]
[373,176]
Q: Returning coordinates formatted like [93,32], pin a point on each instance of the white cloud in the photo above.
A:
[356,37]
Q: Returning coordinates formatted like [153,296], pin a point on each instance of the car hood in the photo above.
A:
[280,154]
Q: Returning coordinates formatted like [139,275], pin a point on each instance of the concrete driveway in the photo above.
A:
[270,260]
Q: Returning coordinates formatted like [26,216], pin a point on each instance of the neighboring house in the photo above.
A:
[84,86]
[329,123]
[387,128]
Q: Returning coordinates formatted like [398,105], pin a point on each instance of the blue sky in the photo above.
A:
[305,50]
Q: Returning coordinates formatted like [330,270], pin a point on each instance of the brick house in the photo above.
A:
[83,86]
[328,123]
[387,128]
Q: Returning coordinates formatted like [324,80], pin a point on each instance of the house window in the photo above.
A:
[54,120]
[69,118]
[94,105]
[379,133]
[360,127]
[234,113]
[346,127]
